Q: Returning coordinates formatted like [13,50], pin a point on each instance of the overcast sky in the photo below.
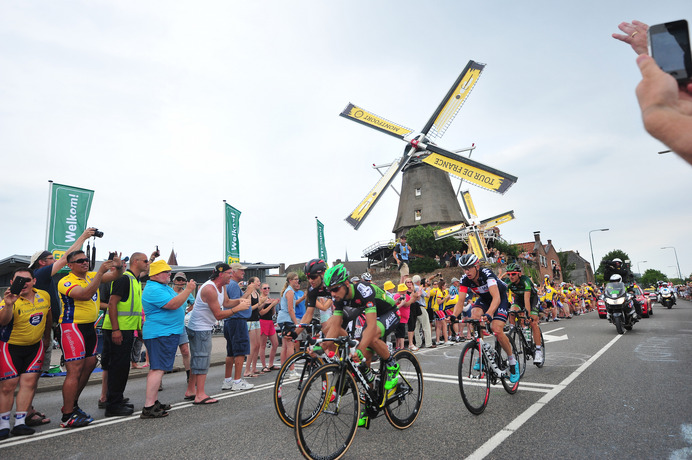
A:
[167,108]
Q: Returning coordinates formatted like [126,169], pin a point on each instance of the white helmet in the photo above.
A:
[366,276]
[617,260]
[468,260]
[616,278]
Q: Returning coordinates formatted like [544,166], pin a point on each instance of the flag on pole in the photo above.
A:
[321,246]
[232,245]
[67,217]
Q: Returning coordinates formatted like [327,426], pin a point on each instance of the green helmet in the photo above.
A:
[513,267]
[335,276]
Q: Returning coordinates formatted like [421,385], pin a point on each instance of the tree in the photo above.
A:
[422,241]
[512,250]
[650,277]
[614,254]
[566,267]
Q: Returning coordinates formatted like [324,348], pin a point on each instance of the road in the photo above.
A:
[599,395]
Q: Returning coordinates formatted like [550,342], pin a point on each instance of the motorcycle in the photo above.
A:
[667,298]
[620,306]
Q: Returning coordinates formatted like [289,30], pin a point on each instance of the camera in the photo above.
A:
[18,284]
[97,233]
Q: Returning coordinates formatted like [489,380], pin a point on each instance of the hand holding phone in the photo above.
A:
[18,284]
[669,45]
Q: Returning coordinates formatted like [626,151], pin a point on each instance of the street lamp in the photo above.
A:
[593,266]
[638,269]
[676,259]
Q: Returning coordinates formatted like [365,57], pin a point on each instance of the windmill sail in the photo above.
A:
[451,104]
[362,116]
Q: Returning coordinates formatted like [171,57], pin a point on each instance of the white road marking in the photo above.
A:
[490,445]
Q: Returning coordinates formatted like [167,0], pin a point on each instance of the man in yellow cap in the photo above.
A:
[161,332]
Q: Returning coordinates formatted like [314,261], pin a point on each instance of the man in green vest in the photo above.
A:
[123,319]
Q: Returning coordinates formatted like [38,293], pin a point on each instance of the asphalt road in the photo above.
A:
[599,395]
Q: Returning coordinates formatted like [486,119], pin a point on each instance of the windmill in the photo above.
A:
[474,234]
[427,196]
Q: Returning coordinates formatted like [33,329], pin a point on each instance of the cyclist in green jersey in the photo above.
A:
[526,297]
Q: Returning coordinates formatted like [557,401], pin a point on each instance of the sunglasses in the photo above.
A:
[514,273]
[313,277]
[80,261]
[265,288]
[335,288]
[180,279]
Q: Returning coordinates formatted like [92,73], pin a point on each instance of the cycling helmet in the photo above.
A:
[335,275]
[513,267]
[354,279]
[616,278]
[617,261]
[366,276]
[468,260]
[315,267]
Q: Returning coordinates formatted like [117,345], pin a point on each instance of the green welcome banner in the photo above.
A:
[68,216]
[232,245]
[321,246]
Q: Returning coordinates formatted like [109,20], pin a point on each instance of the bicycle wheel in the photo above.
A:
[327,413]
[403,405]
[286,389]
[474,380]
[510,387]
[543,350]
[518,345]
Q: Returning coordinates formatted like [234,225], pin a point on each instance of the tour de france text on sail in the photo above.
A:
[464,172]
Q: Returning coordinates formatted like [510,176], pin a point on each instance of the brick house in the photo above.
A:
[583,272]
[542,257]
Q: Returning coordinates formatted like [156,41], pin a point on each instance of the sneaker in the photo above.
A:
[450,343]
[514,373]
[242,386]
[392,377]
[538,358]
[22,430]
[413,348]
[556,319]
[227,385]
[74,420]
[153,412]
[292,375]
[4,433]
[363,420]
[79,410]
[477,365]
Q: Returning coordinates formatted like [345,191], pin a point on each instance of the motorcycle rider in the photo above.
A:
[633,311]
[616,267]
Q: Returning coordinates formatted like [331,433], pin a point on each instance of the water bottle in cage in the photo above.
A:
[487,349]
[527,334]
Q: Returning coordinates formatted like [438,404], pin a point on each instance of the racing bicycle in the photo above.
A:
[522,342]
[329,405]
[480,365]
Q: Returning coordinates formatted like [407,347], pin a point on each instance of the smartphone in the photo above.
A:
[669,45]
[18,284]
[111,255]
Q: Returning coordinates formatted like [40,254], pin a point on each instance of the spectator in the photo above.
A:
[161,331]
[23,347]
[402,252]
[123,319]
[403,303]
[179,283]
[414,312]
[235,330]
[439,297]
[423,320]
[389,288]
[45,267]
[666,106]
[80,299]
[287,318]
[206,311]
[257,298]
[268,331]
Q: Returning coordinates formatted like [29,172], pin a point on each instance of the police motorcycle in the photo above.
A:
[667,298]
[620,306]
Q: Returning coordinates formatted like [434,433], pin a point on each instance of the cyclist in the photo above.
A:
[351,299]
[492,301]
[526,298]
[318,296]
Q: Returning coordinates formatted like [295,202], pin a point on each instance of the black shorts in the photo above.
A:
[20,359]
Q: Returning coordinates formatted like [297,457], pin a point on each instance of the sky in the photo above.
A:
[167,108]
